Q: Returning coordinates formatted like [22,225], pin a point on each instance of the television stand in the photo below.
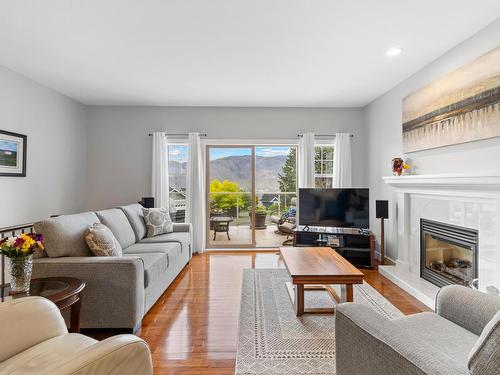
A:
[355,244]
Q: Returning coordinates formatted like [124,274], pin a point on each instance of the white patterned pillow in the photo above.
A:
[157,221]
[102,242]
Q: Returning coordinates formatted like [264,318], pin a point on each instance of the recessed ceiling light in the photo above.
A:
[394,51]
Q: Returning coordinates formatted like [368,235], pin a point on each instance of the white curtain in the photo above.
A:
[342,161]
[306,160]
[195,201]
[159,176]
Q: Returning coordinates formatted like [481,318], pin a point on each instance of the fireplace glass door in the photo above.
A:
[448,260]
[448,254]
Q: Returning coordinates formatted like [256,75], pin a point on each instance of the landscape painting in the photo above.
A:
[12,154]
[462,106]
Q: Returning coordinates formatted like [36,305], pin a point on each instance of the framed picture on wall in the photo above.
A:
[12,154]
[462,106]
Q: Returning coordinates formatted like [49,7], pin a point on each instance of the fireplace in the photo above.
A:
[448,253]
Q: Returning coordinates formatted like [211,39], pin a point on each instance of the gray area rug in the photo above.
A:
[272,340]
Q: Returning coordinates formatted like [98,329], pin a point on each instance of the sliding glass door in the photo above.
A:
[230,180]
[251,195]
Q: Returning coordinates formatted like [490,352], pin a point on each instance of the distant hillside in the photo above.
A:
[175,168]
[238,169]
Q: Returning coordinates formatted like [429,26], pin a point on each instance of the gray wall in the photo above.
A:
[383,118]
[56,160]
[119,149]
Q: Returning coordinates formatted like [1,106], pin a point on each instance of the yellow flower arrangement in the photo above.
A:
[22,245]
[27,244]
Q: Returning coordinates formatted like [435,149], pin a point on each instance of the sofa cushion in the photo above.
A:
[171,248]
[136,217]
[65,235]
[154,265]
[115,219]
[440,333]
[101,241]
[485,355]
[157,221]
[183,238]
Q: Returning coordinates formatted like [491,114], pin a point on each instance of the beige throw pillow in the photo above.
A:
[102,242]
[157,221]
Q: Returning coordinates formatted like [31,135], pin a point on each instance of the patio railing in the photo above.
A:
[238,204]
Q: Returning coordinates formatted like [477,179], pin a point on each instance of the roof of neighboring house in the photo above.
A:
[175,194]
[269,197]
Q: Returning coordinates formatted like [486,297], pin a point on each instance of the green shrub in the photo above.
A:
[223,200]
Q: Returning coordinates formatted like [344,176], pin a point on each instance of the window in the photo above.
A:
[323,166]
[177,179]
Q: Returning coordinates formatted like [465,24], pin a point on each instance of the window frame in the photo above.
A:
[321,161]
[170,174]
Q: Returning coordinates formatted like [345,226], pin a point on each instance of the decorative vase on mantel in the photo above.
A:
[20,269]
[20,251]
[398,166]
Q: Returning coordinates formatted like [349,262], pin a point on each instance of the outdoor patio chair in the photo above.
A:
[286,222]
[220,224]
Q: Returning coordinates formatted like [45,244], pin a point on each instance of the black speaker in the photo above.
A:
[382,209]
[148,202]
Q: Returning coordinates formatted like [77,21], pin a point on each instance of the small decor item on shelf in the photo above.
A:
[489,289]
[20,251]
[398,166]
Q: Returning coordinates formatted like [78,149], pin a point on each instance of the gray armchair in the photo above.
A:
[462,337]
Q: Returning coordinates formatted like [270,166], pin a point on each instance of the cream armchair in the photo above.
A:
[35,340]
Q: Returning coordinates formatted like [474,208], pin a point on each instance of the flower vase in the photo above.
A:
[20,272]
[397,166]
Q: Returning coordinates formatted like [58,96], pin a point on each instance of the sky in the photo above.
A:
[8,145]
[265,151]
[180,152]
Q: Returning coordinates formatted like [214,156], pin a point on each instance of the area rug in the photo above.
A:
[272,340]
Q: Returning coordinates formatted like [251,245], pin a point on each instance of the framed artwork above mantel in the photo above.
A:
[12,154]
[462,106]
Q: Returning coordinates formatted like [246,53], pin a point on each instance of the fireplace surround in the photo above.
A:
[448,253]
[471,201]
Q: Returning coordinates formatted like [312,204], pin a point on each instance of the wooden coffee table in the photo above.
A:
[317,268]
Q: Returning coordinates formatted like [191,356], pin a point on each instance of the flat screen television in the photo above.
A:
[348,208]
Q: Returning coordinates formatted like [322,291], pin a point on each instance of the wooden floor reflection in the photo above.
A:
[193,327]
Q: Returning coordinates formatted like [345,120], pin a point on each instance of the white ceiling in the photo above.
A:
[327,53]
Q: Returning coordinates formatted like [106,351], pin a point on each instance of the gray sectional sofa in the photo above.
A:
[119,290]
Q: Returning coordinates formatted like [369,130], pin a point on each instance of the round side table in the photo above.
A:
[63,291]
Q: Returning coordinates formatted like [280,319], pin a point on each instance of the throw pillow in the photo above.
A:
[157,221]
[102,242]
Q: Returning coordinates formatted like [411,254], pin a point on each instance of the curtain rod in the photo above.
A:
[325,135]
[179,134]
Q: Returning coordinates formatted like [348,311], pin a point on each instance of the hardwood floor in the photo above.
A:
[193,327]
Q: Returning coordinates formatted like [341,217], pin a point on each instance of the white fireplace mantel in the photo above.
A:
[451,182]
[471,200]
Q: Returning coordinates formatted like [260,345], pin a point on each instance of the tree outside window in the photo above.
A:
[287,179]
[323,166]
